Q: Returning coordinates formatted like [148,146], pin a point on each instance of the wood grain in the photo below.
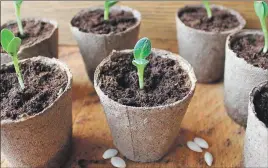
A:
[158,18]
[206,118]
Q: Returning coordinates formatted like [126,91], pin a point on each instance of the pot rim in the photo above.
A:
[252,95]
[50,21]
[135,12]
[48,61]
[231,37]
[241,20]
[183,63]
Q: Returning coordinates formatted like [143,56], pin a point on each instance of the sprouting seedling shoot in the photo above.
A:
[261,10]
[11,45]
[107,5]
[141,51]
[206,4]
[17,4]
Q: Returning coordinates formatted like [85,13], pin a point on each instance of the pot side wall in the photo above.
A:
[239,79]
[256,139]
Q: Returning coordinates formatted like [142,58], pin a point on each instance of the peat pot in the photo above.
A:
[205,50]
[95,47]
[42,139]
[256,139]
[145,134]
[43,43]
[239,79]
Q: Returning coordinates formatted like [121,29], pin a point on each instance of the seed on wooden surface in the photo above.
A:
[208,158]
[201,142]
[109,153]
[118,162]
[193,146]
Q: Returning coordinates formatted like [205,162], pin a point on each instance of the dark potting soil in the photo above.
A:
[165,81]
[261,105]
[196,17]
[93,21]
[42,86]
[250,48]
[34,31]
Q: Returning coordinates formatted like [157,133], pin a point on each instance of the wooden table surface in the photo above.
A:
[206,117]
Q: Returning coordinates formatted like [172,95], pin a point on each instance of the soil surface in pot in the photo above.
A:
[250,48]
[34,31]
[165,81]
[261,105]
[93,21]
[196,18]
[43,84]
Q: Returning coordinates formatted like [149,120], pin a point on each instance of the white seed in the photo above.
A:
[201,142]
[208,158]
[109,153]
[118,162]
[193,146]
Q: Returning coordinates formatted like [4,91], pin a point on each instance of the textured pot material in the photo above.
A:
[5,58]
[44,139]
[47,47]
[145,134]
[95,47]
[256,139]
[239,79]
[204,50]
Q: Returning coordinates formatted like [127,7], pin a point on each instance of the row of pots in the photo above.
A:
[133,117]
[209,52]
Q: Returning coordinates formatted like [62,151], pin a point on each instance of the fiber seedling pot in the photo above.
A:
[205,50]
[45,44]
[44,138]
[256,139]
[145,134]
[239,79]
[95,47]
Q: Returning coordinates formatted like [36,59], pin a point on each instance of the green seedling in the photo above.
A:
[11,45]
[206,4]
[261,9]
[141,51]
[107,5]
[17,5]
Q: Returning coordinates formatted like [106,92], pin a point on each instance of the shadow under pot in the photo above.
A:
[96,37]
[36,122]
[256,139]
[144,123]
[40,38]
[245,67]
[201,40]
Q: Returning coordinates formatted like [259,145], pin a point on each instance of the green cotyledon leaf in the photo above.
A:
[6,37]
[261,9]
[14,46]
[18,2]
[142,48]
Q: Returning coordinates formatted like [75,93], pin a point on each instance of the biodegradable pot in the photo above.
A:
[145,134]
[43,139]
[239,79]
[256,139]
[47,47]
[95,47]
[204,50]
